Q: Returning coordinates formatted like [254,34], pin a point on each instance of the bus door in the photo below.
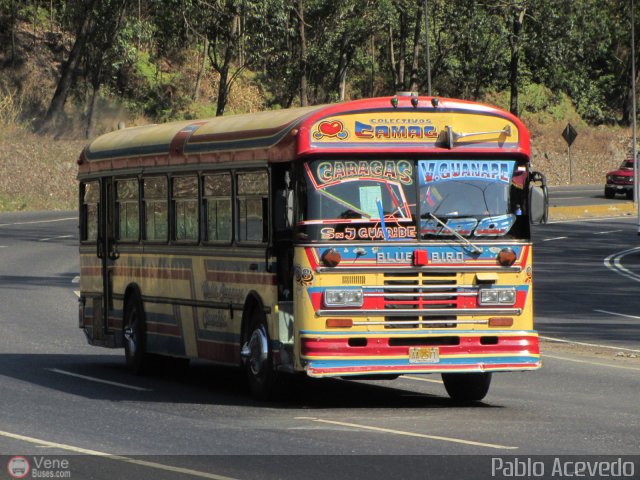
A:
[108,254]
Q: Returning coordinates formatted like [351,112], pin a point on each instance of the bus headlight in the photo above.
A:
[497,296]
[340,297]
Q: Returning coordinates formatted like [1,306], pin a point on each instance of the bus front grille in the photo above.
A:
[433,292]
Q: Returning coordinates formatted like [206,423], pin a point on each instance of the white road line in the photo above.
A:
[599,364]
[612,262]
[76,279]
[99,380]
[77,292]
[409,434]
[420,379]
[39,221]
[55,238]
[584,344]
[617,314]
[607,231]
[554,238]
[118,458]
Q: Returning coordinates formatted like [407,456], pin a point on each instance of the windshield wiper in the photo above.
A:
[472,247]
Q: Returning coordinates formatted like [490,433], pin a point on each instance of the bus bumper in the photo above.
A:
[447,352]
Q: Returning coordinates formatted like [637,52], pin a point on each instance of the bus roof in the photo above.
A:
[385,125]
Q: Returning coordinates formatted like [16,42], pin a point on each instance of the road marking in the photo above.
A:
[77,292]
[420,379]
[99,380]
[76,279]
[554,238]
[575,360]
[607,231]
[617,314]
[55,238]
[409,434]
[118,458]
[612,262]
[561,340]
[39,221]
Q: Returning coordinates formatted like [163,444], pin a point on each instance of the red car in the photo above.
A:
[620,181]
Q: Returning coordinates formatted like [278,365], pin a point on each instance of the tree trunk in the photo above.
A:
[304,94]
[392,60]
[341,73]
[416,51]
[223,69]
[201,70]
[56,107]
[402,51]
[93,104]
[518,20]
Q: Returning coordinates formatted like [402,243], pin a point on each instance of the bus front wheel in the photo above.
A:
[134,332]
[258,361]
[467,387]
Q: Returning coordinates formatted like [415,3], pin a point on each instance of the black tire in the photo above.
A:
[467,387]
[629,194]
[258,359]
[608,193]
[134,332]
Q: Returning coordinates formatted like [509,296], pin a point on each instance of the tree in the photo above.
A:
[98,25]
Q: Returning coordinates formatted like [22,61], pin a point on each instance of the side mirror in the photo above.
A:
[284,210]
[538,199]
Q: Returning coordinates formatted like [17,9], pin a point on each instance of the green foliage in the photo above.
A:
[572,56]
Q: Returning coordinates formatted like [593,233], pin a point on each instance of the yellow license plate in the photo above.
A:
[424,354]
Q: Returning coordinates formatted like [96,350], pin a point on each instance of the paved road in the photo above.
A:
[579,195]
[62,397]
[587,276]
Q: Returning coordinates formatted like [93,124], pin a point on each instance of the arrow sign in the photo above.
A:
[569,134]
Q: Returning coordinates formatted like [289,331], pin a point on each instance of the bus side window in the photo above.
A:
[156,209]
[127,210]
[217,205]
[185,204]
[90,202]
[253,207]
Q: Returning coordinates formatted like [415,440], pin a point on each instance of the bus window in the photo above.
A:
[90,202]
[185,200]
[128,211]
[155,209]
[253,207]
[217,195]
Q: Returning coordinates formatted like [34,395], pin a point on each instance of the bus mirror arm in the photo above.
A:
[267,256]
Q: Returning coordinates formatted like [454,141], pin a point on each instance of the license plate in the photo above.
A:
[424,354]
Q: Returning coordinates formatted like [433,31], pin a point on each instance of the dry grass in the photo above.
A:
[595,151]
[37,173]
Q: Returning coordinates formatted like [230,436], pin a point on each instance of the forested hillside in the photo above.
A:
[74,69]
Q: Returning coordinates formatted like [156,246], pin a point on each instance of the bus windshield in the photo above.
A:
[358,200]
[354,200]
[466,196]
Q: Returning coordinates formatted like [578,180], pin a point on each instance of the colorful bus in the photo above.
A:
[366,239]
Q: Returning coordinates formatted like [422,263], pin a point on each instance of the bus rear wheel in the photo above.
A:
[135,337]
[467,387]
[258,359]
